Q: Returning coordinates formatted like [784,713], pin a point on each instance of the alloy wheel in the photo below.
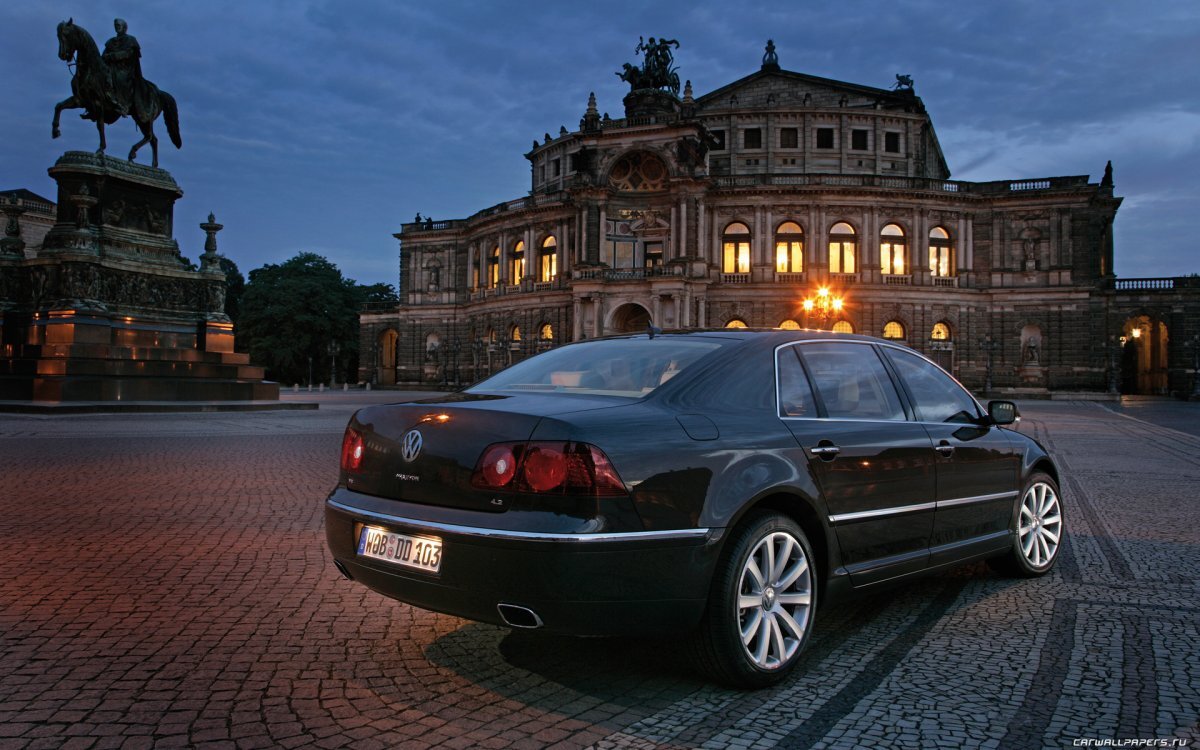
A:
[1040,525]
[774,600]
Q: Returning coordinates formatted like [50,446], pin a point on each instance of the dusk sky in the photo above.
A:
[322,126]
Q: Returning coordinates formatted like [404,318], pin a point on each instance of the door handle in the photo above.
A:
[825,450]
[945,448]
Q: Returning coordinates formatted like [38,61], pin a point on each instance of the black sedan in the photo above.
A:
[719,483]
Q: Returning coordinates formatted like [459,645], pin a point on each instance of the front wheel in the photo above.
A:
[1040,530]
[761,607]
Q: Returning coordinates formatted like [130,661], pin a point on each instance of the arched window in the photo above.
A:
[941,253]
[843,249]
[789,248]
[493,269]
[893,329]
[516,264]
[491,336]
[515,333]
[638,172]
[790,325]
[548,259]
[940,332]
[892,256]
[843,326]
[546,333]
[736,323]
[432,341]
[736,248]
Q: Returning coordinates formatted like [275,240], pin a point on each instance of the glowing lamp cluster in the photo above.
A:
[824,303]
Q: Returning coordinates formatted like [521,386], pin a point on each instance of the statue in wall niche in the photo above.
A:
[1030,245]
[1031,355]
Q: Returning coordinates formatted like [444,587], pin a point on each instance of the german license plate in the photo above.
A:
[417,552]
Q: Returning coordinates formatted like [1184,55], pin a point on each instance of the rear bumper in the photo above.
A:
[580,584]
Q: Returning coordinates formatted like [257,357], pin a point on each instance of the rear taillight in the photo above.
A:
[352,450]
[547,467]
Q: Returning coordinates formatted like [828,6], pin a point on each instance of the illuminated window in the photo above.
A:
[891,251]
[893,330]
[735,323]
[493,268]
[941,253]
[940,332]
[547,332]
[843,248]
[736,248]
[789,248]
[790,325]
[515,333]
[548,260]
[516,264]
[843,326]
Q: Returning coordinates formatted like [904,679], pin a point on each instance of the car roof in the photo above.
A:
[776,335]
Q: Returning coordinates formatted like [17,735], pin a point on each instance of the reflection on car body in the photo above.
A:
[714,483]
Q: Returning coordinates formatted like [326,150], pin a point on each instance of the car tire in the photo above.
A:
[757,622]
[1039,528]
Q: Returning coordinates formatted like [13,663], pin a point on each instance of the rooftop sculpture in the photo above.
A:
[109,86]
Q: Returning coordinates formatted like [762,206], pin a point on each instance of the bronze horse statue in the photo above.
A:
[91,90]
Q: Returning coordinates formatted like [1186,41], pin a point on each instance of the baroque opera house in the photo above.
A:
[783,200]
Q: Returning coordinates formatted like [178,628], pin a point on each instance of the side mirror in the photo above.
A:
[1003,412]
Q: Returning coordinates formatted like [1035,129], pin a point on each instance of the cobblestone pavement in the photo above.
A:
[165,583]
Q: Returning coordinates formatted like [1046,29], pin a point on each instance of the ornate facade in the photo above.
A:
[731,208]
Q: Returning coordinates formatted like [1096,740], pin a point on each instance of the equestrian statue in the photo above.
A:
[109,86]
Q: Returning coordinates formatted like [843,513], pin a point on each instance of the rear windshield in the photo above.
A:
[616,367]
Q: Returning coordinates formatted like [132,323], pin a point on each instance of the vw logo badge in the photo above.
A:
[410,447]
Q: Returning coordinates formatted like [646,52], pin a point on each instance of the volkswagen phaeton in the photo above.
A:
[715,483]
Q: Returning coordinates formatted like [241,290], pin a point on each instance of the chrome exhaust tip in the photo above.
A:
[516,616]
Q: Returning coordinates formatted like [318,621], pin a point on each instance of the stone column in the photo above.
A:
[503,259]
[597,314]
[702,313]
[683,233]
[672,248]
[701,250]
[576,319]
[601,231]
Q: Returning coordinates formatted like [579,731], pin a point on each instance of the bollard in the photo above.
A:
[368,386]
[310,387]
[321,388]
[345,387]
[295,387]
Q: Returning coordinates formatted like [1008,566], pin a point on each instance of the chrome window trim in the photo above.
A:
[537,536]
[897,510]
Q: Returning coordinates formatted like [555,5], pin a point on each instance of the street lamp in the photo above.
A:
[988,346]
[823,304]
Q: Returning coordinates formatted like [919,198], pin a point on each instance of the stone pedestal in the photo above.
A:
[110,310]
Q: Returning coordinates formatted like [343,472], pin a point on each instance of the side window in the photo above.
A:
[795,394]
[852,381]
[937,397]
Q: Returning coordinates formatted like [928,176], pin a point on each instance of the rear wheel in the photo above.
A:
[761,607]
[1040,530]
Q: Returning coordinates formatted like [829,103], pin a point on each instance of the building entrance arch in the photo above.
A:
[386,367]
[1144,356]
[630,318]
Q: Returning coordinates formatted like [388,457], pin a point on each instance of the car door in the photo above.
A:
[978,468]
[874,467]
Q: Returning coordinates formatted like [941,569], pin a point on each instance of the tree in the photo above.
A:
[296,317]
[235,286]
